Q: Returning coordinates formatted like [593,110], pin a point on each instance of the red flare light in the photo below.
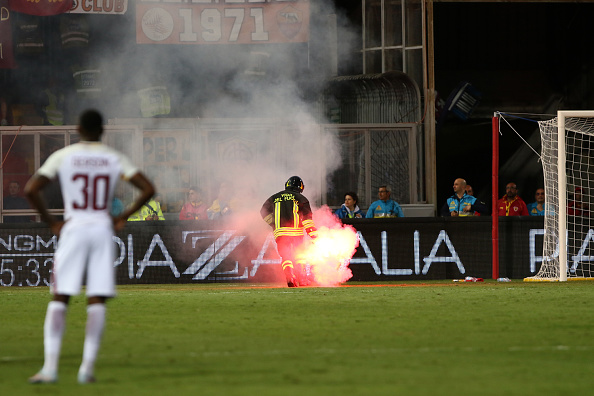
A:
[329,254]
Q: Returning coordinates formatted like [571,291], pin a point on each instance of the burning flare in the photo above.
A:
[328,256]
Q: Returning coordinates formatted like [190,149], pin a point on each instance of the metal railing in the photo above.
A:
[256,156]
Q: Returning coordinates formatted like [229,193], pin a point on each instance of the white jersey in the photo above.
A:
[88,173]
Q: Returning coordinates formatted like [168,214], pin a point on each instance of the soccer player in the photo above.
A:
[88,172]
[289,214]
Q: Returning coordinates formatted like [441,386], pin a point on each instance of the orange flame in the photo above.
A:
[329,254]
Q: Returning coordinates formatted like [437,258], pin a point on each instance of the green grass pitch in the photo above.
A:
[409,338]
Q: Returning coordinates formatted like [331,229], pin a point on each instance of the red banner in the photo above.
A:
[222,21]
[6,55]
[40,7]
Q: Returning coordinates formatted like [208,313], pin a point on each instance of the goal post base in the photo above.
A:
[572,279]
[539,279]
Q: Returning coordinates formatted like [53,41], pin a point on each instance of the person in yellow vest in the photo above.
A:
[149,211]
[53,105]
[224,205]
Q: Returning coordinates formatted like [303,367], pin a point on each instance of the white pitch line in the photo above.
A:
[332,351]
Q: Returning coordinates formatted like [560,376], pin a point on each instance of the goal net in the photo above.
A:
[567,156]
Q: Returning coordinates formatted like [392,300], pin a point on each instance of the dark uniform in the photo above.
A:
[289,214]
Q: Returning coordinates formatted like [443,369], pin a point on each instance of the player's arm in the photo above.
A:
[32,191]
[310,228]
[308,223]
[147,190]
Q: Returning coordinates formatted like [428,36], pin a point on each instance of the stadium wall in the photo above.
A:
[204,251]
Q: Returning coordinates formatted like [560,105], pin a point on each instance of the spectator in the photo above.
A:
[349,208]
[461,203]
[537,208]
[151,210]
[384,206]
[14,200]
[223,205]
[511,204]
[194,208]
[53,104]
[159,198]
[469,190]
[576,206]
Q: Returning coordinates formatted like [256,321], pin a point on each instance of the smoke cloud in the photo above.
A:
[279,84]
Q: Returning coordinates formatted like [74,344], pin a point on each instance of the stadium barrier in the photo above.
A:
[204,251]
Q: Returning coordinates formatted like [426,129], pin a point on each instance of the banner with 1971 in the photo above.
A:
[222,21]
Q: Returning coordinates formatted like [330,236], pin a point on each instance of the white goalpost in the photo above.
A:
[567,156]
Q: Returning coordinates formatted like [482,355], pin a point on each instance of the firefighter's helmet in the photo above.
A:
[294,183]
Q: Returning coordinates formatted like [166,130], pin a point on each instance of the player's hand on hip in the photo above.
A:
[119,223]
[56,227]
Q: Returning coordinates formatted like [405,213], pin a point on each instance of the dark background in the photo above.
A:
[529,59]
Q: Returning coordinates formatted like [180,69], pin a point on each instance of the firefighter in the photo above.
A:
[289,214]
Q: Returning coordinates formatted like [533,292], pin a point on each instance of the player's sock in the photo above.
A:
[93,334]
[53,330]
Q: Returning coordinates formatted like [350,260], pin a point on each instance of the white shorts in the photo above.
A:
[82,250]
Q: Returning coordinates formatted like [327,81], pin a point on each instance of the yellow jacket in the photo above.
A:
[149,211]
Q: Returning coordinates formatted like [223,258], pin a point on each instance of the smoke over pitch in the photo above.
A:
[242,87]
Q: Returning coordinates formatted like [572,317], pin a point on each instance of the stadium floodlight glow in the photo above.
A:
[567,155]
